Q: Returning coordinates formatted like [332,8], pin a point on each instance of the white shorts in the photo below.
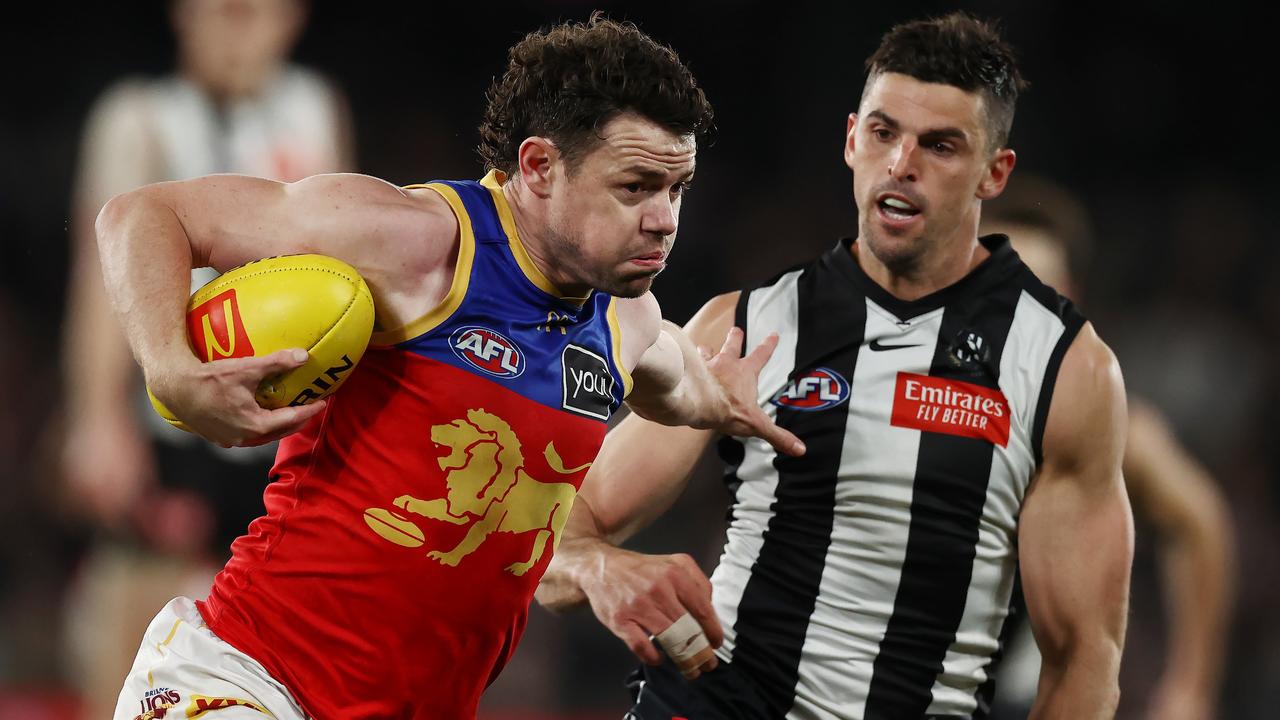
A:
[184,671]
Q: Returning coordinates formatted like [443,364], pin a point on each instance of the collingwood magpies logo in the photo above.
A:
[970,352]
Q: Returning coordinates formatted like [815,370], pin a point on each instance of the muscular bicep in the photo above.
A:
[397,239]
[1076,530]
[233,219]
[659,365]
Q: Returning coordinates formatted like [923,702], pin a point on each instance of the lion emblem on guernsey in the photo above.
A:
[488,489]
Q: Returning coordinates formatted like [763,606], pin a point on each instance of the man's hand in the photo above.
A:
[640,596]
[216,399]
[676,383]
[738,377]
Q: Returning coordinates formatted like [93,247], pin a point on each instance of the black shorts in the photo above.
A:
[662,693]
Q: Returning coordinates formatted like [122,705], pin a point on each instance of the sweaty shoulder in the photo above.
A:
[640,320]
[404,230]
[404,241]
[1087,420]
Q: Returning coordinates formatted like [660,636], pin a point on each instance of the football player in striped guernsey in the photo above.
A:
[963,422]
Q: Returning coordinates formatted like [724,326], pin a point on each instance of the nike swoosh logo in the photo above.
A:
[877,346]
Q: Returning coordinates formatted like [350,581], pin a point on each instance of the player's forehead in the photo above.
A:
[630,141]
[919,106]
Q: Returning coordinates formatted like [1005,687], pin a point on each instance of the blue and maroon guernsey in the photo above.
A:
[408,525]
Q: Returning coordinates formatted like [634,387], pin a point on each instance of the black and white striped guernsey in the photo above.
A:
[871,577]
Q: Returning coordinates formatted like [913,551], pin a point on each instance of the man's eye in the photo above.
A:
[680,188]
[882,134]
[633,187]
[943,148]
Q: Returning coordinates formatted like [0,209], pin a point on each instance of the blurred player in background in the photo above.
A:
[1051,231]
[962,420]
[413,511]
[165,504]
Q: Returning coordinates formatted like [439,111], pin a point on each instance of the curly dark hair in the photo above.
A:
[961,51]
[565,83]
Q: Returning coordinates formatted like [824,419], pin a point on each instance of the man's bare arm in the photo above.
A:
[704,383]
[150,238]
[1076,539]
[641,470]
[1178,496]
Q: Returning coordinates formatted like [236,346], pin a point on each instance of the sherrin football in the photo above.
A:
[312,302]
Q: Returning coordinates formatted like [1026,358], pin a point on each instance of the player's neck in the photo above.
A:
[535,236]
[931,272]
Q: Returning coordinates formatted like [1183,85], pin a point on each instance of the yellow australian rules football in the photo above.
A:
[314,302]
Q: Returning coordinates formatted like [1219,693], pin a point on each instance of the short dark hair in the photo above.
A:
[957,50]
[565,83]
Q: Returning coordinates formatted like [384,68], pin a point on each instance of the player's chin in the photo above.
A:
[894,250]
[630,285]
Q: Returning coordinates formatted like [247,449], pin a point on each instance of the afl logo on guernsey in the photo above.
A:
[817,389]
[488,351]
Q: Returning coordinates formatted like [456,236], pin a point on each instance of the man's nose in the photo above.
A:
[660,217]
[902,165]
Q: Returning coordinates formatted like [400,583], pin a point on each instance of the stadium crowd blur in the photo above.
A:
[1148,115]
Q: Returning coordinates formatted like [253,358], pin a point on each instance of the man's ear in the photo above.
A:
[850,127]
[537,163]
[997,175]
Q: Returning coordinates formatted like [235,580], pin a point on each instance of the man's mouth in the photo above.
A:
[653,259]
[897,207]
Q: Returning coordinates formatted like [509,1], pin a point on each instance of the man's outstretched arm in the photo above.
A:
[703,381]
[641,470]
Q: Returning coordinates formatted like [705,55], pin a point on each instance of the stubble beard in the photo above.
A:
[569,254]
[902,256]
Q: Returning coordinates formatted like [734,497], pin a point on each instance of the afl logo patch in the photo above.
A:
[814,390]
[488,351]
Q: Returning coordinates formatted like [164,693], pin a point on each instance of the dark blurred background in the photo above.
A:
[1155,116]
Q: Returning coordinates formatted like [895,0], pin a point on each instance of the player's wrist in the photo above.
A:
[595,565]
[172,376]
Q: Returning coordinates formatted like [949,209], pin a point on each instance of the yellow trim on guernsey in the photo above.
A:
[493,181]
[151,680]
[615,338]
[461,275]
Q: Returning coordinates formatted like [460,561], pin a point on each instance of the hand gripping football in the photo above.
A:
[313,302]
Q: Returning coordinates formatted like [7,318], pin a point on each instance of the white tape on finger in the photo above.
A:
[684,640]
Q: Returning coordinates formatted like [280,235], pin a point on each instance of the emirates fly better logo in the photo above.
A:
[946,406]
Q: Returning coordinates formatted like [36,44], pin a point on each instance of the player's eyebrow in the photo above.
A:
[645,171]
[884,118]
[650,173]
[941,133]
